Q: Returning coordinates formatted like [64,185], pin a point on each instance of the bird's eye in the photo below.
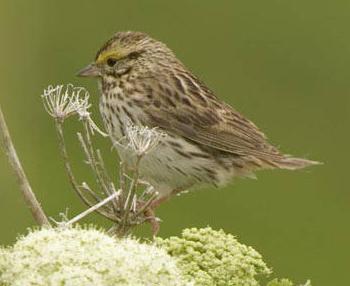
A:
[111,62]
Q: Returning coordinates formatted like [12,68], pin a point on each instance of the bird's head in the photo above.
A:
[127,51]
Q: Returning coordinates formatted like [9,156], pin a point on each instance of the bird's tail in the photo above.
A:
[291,163]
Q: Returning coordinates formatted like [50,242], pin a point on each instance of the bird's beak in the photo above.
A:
[91,70]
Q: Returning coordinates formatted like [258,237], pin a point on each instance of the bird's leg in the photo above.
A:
[150,211]
[151,218]
[150,215]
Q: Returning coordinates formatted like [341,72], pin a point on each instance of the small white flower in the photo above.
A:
[62,101]
[142,140]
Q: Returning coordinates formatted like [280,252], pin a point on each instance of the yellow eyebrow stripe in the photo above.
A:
[109,54]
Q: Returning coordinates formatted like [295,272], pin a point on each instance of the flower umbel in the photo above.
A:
[215,258]
[62,101]
[141,139]
[76,256]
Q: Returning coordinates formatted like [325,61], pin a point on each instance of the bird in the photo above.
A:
[207,142]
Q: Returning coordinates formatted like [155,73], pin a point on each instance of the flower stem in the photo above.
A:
[64,154]
[28,194]
[92,209]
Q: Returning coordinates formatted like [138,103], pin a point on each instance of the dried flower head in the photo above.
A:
[141,139]
[62,101]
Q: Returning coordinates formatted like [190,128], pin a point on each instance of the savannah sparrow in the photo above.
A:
[208,142]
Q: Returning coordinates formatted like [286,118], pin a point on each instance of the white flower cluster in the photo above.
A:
[62,101]
[84,257]
[142,140]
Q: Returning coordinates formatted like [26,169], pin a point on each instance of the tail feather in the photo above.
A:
[291,163]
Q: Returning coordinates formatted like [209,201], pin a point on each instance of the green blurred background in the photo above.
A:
[284,64]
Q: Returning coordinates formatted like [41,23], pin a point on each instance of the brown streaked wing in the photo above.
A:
[216,125]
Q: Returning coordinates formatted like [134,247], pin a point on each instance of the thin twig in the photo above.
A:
[106,177]
[92,209]
[29,196]
[122,184]
[85,187]
[105,210]
[64,154]
[93,163]
[67,165]
[96,165]
[131,194]
[103,170]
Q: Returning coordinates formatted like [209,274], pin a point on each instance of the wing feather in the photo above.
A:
[211,123]
[199,116]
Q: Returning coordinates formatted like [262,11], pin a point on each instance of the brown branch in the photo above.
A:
[29,196]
